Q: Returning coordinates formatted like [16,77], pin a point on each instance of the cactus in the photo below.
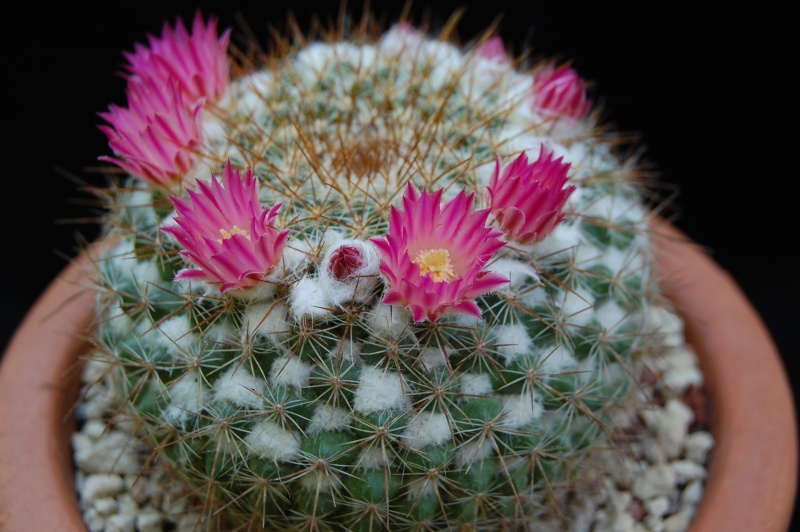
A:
[385,282]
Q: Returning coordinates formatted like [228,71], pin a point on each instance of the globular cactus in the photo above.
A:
[389,282]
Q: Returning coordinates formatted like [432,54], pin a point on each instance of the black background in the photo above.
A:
[707,93]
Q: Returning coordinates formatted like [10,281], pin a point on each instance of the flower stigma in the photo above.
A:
[234,231]
[436,263]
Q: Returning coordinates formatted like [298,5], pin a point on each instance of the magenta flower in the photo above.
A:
[527,199]
[226,232]
[493,49]
[155,138]
[197,62]
[560,92]
[433,256]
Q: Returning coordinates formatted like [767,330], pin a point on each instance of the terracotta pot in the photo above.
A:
[753,468]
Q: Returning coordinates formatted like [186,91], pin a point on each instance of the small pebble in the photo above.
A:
[657,506]
[653,523]
[692,493]
[150,520]
[106,506]
[100,485]
[686,470]
[658,480]
[678,522]
[94,521]
[121,523]
[697,446]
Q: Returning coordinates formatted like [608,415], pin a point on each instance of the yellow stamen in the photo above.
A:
[234,231]
[436,263]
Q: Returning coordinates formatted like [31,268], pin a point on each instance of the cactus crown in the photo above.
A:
[374,282]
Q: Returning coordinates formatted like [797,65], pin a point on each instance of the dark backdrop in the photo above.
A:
[706,91]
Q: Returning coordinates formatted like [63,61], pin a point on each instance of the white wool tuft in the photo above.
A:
[290,371]
[295,256]
[565,238]
[373,458]
[621,261]
[556,361]
[534,297]
[175,331]
[615,207]
[249,89]
[327,418]
[520,409]
[119,321]
[467,320]
[388,320]
[426,429]
[138,202]
[308,297]
[262,291]
[267,320]
[611,316]
[315,480]
[270,440]
[433,357]
[380,390]
[147,277]
[472,451]
[188,396]
[240,387]
[348,350]
[361,285]
[475,384]
[400,40]
[520,274]
[576,307]
[512,341]
[315,57]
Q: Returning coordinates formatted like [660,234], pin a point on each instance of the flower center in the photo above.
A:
[234,231]
[436,263]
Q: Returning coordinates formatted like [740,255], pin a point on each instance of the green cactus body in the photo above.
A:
[304,404]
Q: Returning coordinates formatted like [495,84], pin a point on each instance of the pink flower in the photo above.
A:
[560,92]
[226,232]
[197,62]
[527,199]
[156,136]
[493,49]
[433,256]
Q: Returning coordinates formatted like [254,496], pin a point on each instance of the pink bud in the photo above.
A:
[345,261]
[492,49]
[560,92]
[405,28]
